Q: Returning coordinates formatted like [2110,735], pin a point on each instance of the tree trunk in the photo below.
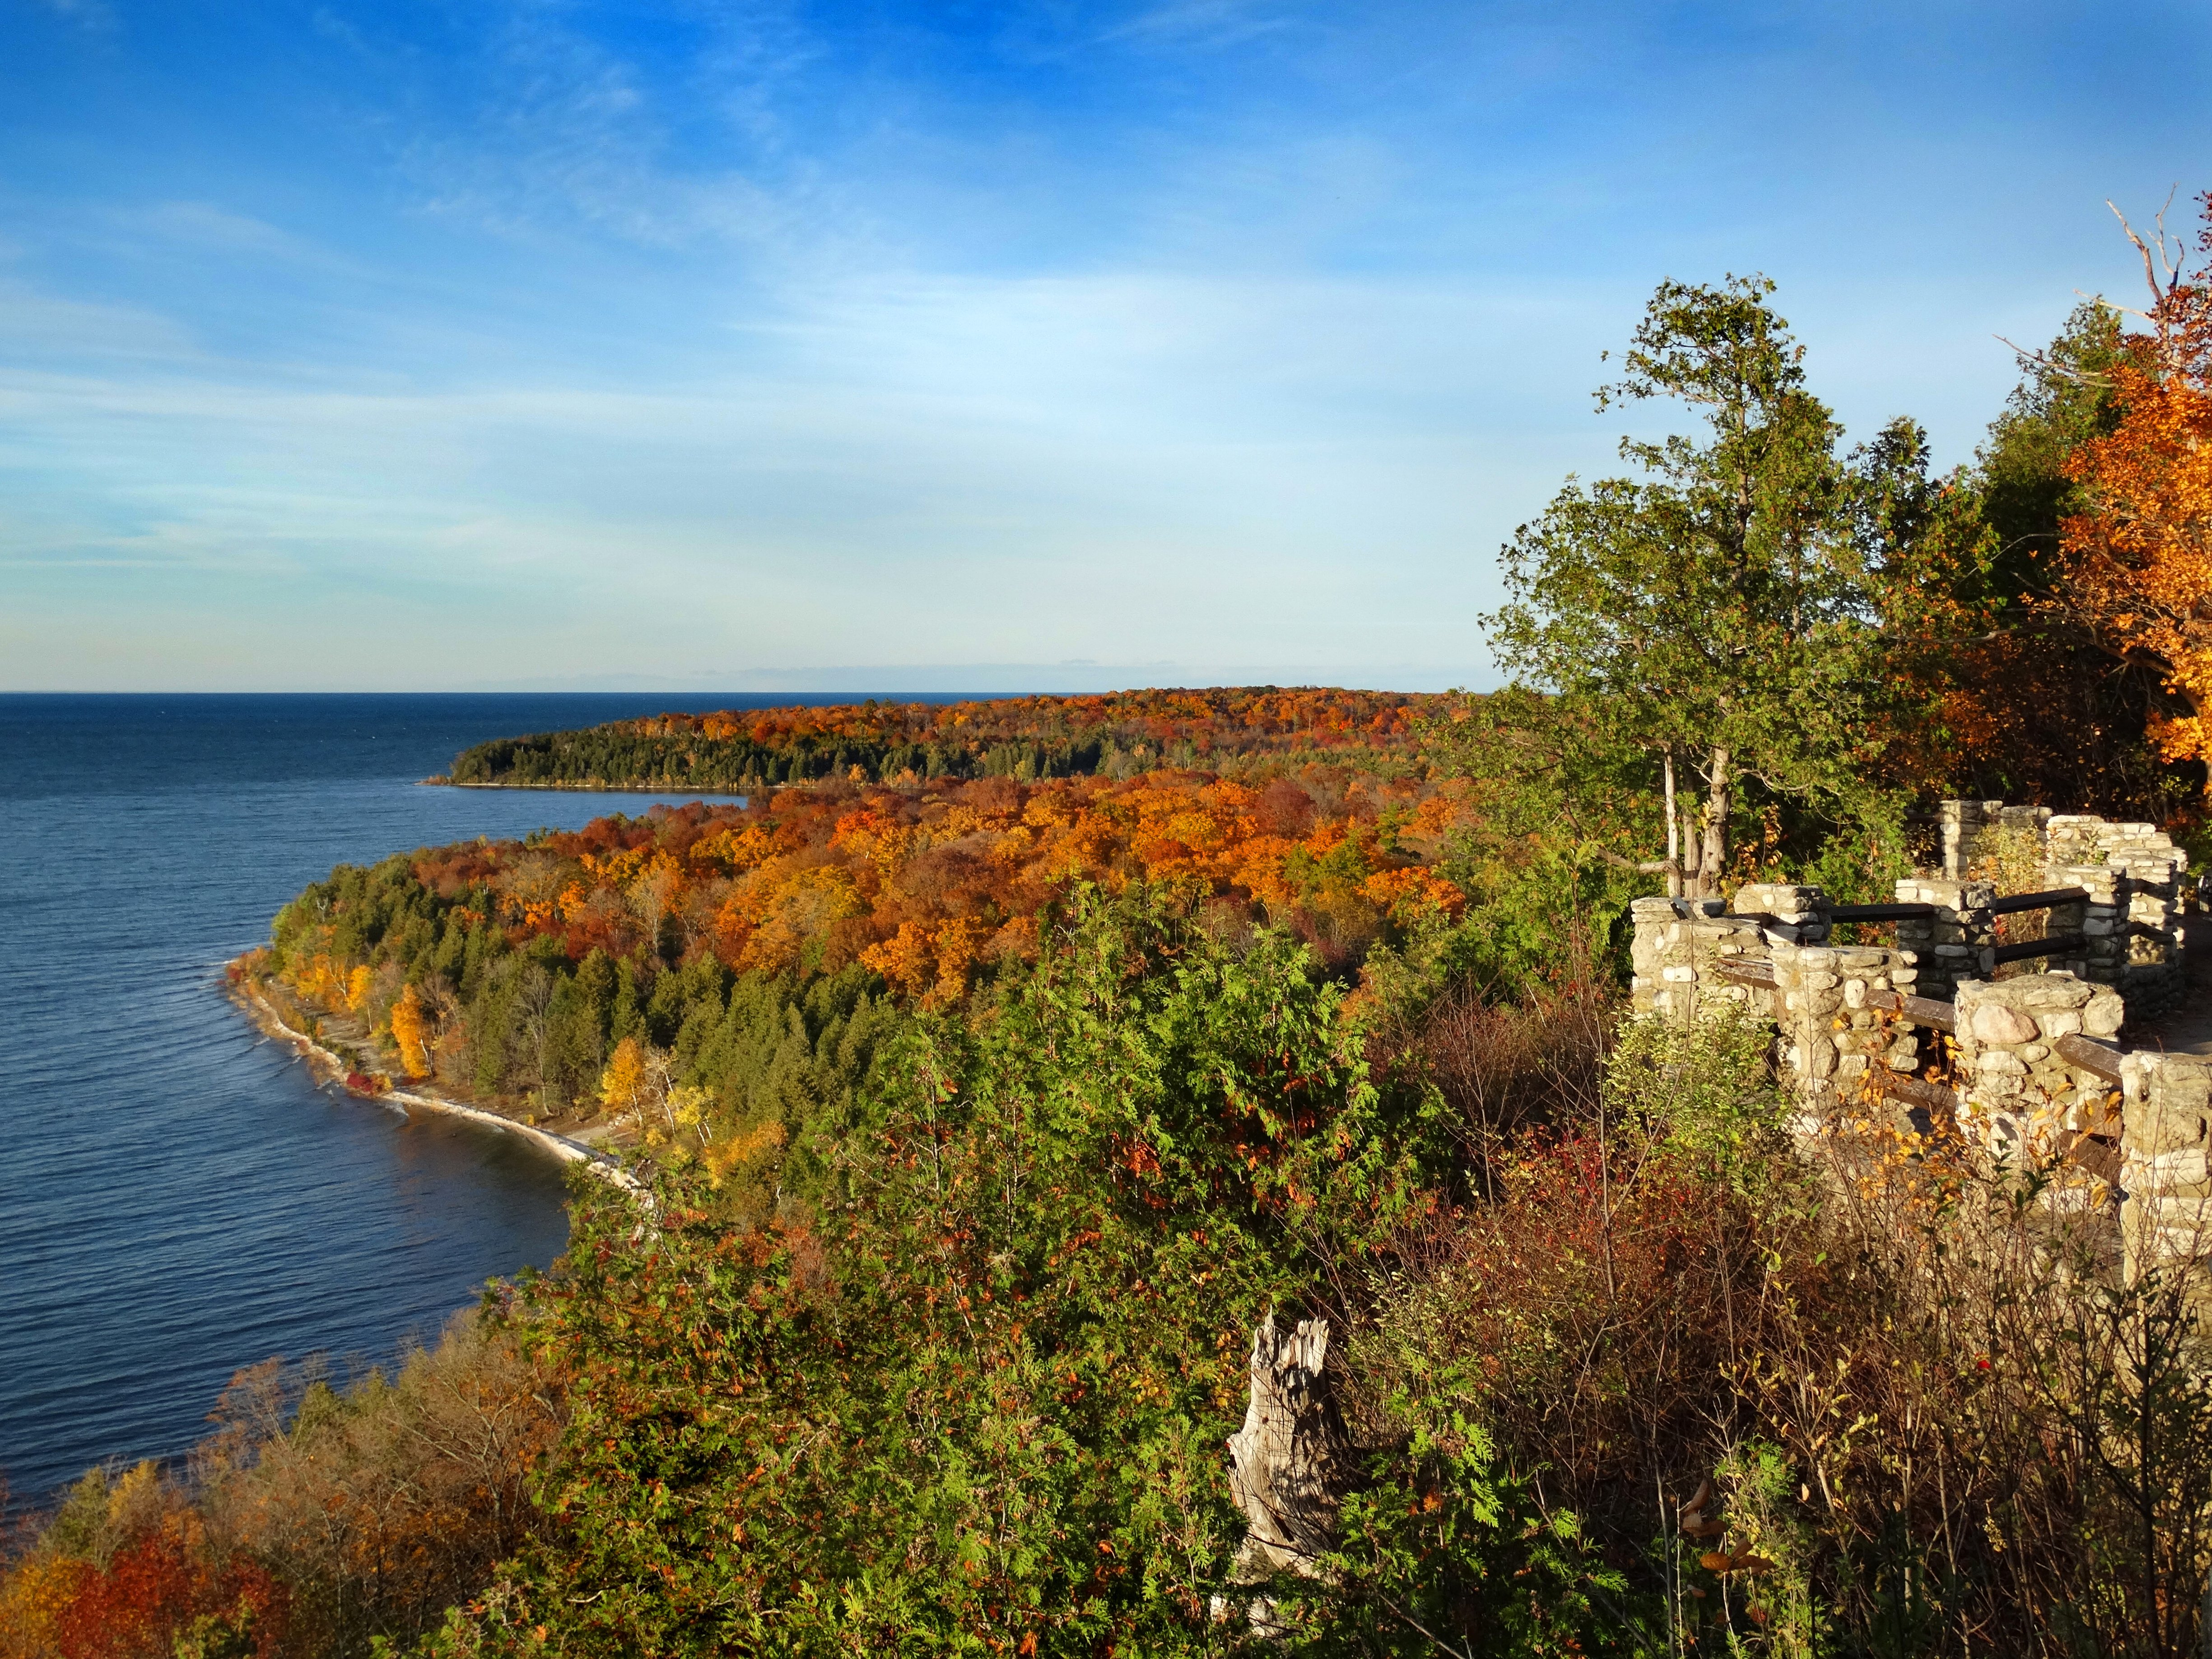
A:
[1289,1464]
[1674,828]
[1712,854]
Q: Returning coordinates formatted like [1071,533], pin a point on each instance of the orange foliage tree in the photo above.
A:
[926,886]
[2137,563]
[937,888]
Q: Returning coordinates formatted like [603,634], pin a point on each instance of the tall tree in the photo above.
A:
[2032,703]
[1706,627]
[2137,557]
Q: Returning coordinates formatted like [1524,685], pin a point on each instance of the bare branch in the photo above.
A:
[1648,867]
[2049,365]
[2164,255]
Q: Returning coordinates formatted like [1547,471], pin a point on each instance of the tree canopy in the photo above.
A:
[1709,624]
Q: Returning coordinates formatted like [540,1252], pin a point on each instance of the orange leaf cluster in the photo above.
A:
[1224,717]
[929,888]
[2138,563]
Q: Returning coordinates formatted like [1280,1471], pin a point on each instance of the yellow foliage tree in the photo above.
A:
[32,1599]
[908,959]
[623,1085]
[958,943]
[410,1032]
[724,1158]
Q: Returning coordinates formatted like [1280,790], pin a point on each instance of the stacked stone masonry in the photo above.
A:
[2131,920]
[2016,1091]
[2166,1213]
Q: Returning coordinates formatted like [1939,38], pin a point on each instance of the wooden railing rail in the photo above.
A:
[2043,901]
[2057,946]
[2100,1059]
[1879,912]
[1918,1091]
[1760,974]
[1918,1010]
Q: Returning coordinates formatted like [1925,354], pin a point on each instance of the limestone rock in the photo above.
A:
[2001,1027]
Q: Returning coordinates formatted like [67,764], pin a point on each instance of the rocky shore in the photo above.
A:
[331,1066]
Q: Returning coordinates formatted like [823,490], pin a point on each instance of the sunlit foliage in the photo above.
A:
[1116,735]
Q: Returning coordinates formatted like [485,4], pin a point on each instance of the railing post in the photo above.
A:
[1958,942]
[2020,1087]
[1961,823]
[1833,1034]
[1677,944]
[1799,914]
[2166,1135]
[2137,900]
[2102,920]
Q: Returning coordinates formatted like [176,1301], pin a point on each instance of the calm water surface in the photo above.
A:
[177,1199]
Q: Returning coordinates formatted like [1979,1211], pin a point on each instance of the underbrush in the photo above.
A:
[1676,1383]
[1624,1365]
[314,1521]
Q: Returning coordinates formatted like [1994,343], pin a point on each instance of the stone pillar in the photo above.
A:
[1831,1034]
[2166,1217]
[2020,1094]
[1677,945]
[1800,915]
[1957,943]
[2138,900]
[2151,974]
[2102,919]
[1961,823]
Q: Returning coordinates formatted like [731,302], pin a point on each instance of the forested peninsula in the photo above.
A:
[1228,731]
[1031,1093]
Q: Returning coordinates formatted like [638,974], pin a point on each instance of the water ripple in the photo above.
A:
[178,1199]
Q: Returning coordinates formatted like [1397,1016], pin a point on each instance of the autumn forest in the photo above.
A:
[994,1069]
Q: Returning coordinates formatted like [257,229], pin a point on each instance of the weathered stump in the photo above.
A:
[1290,1463]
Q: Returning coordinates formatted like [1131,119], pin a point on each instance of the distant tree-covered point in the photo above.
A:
[1117,735]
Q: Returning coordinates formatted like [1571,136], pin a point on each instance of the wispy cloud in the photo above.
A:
[1202,23]
[92,15]
[1207,331]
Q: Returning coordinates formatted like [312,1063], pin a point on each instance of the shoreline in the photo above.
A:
[247,993]
[607,789]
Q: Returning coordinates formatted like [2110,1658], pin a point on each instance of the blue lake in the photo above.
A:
[177,1198]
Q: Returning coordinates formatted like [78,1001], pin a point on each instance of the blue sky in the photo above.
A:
[728,347]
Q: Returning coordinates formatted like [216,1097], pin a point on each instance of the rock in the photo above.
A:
[2001,1027]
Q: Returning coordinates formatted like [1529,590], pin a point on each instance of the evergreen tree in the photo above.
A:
[1706,628]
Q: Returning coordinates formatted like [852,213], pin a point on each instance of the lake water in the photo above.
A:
[177,1199]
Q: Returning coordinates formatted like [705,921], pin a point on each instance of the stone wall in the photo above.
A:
[1831,1032]
[2019,1092]
[1822,998]
[1956,943]
[1679,945]
[2024,1098]
[2166,1214]
[1965,826]
[2132,920]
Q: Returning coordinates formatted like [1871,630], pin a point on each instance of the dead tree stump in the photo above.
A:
[1289,1465]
